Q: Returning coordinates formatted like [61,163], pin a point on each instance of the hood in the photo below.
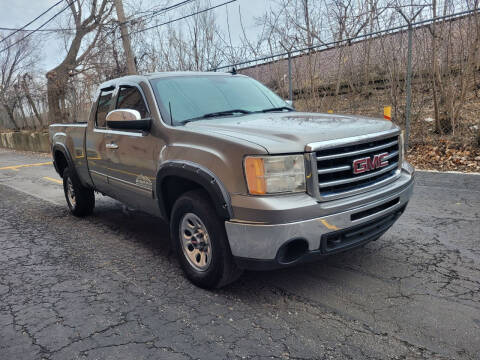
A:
[289,132]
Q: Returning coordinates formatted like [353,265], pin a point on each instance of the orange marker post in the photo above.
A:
[387,113]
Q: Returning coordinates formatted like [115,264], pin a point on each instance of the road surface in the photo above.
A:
[108,287]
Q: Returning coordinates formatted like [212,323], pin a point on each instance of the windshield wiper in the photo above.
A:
[225,113]
[216,114]
[281,108]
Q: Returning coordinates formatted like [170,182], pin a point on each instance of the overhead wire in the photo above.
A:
[352,40]
[32,21]
[181,18]
[154,13]
[37,29]
[27,30]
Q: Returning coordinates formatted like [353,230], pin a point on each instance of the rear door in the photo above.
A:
[97,138]
[131,162]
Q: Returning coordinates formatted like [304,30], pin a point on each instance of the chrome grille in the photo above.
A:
[334,166]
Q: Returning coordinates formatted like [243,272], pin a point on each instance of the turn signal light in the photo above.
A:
[255,174]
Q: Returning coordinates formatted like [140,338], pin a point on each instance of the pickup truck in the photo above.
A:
[243,179]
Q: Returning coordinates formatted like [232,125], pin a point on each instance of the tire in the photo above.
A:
[80,200]
[200,241]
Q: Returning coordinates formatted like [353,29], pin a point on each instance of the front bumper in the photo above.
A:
[343,224]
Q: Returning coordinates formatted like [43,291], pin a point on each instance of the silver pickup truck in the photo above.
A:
[244,180]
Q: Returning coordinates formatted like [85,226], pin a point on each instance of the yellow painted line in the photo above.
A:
[54,180]
[329,226]
[16,167]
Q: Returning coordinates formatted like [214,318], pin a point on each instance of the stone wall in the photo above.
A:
[25,140]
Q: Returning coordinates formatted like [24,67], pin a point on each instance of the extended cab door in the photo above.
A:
[130,154]
[97,139]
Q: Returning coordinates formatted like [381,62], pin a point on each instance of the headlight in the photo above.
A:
[275,174]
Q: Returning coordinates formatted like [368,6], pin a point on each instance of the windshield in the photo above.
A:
[193,97]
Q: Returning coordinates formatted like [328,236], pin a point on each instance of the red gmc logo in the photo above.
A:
[367,163]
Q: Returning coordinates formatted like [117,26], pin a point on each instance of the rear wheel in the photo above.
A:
[80,199]
[200,241]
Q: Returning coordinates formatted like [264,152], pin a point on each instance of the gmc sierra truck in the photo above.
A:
[244,180]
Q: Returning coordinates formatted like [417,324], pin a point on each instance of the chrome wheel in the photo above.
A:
[71,192]
[195,241]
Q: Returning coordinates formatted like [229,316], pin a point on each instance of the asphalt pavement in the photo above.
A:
[108,287]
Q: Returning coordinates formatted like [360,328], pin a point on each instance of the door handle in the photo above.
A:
[111,146]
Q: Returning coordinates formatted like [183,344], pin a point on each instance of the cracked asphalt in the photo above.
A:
[108,287]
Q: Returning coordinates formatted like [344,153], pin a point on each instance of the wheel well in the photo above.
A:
[173,187]
[60,162]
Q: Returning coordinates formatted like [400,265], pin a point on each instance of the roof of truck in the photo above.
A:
[183,73]
[157,75]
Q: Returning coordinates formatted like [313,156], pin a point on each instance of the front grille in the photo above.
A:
[335,167]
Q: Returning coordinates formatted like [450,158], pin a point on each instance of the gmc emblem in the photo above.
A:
[366,164]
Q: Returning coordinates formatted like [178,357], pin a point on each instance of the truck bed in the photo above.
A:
[71,136]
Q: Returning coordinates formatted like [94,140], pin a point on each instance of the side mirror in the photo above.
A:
[127,119]
[290,103]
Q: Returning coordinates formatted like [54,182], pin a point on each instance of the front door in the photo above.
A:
[130,154]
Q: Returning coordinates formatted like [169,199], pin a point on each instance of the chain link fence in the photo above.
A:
[426,71]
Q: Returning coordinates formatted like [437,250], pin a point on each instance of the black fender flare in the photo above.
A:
[63,149]
[200,175]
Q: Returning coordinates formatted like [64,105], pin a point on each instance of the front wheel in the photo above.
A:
[80,200]
[200,241]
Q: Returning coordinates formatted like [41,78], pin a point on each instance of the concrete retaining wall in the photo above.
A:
[25,140]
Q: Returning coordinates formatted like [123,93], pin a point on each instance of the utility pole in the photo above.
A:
[409,21]
[409,85]
[290,86]
[131,68]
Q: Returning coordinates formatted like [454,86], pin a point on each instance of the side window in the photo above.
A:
[129,97]
[104,102]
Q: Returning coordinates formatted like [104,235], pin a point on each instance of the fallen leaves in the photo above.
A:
[445,156]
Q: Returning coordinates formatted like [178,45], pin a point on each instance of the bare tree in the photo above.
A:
[14,60]
[454,59]
[25,84]
[77,58]
[192,44]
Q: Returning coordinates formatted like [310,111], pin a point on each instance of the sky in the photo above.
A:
[19,12]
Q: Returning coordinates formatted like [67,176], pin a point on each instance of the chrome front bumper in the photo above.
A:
[249,240]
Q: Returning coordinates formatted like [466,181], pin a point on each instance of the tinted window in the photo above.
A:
[104,103]
[129,97]
[194,96]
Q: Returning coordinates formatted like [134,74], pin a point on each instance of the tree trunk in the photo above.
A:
[11,116]
[56,83]
[26,123]
[58,77]
[38,123]
[436,112]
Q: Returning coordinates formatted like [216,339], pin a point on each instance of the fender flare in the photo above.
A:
[202,176]
[63,149]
